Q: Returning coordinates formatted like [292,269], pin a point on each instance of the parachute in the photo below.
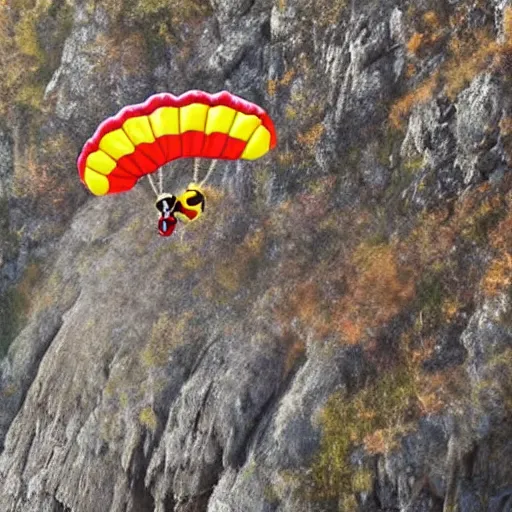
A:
[142,138]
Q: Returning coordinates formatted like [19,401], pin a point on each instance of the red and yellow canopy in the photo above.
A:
[141,138]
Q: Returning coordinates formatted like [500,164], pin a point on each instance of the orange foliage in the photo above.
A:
[431,403]
[295,350]
[422,94]
[307,306]
[498,277]
[368,284]
[430,241]
[312,136]
[376,442]
[431,19]
[469,57]
[274,84]
[411,70]
[414,43]
[430,34]
[437,391]
[379,288]
[33,180]
[470,54]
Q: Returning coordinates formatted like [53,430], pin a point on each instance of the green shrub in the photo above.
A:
[381,411]
[12,313]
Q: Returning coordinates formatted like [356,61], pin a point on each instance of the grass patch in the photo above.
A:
[12,313]
[166,334]
[373,418]
[29,51]
[148,418]
[15,305]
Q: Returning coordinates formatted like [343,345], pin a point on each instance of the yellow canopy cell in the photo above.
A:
[244,126]
[139,130]
[258,144]
[97,183]
[193,117]
[117,144]
[165,121]
[100,162]
[220,119]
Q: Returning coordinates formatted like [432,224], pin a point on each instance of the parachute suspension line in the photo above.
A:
[152,184]
[210,170]
[160,180]
[195,177]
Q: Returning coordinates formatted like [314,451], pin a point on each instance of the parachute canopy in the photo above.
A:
[141,138]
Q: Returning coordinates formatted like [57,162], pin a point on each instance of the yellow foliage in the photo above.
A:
[287,78]
[295,352]
[431,403]
[272,87]
[166,334]
[410,71]
[362,481]
[25,36]
[173,11]
[148,418]
[506,126]
[431,19]
[290,113]
[23,62]
[499,275]
[450,308]
[373,418]
[507,24]
[274,84]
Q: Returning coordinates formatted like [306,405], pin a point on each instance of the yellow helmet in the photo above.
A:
[190,204]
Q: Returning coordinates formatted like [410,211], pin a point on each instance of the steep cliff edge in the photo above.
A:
[334,334]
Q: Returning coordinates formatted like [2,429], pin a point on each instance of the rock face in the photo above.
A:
[334,334]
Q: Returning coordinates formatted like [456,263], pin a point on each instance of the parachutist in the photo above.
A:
[187,207]
[166,204]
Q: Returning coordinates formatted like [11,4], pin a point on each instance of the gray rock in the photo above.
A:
[190,374]
[487,335]
[478,112]
[6,164]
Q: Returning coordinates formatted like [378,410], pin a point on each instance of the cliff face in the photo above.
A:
[334,334]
